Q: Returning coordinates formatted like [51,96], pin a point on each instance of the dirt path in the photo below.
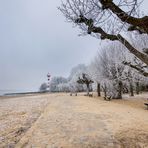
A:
[82,122]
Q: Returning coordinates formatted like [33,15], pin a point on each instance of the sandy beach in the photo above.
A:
[63,121]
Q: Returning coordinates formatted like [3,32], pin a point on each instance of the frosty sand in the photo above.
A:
[58,120]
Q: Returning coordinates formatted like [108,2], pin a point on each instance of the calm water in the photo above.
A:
[2,92]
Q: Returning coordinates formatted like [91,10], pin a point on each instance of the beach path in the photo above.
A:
[79,121]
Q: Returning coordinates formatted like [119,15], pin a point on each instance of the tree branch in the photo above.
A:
[135,28]
[143,57]
[91,28]
[141,23]
[144,73]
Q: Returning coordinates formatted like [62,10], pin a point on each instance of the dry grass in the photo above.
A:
[60,120]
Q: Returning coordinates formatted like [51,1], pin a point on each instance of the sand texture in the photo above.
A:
[63,121]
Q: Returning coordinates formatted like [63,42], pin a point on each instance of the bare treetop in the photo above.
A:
[107,18]
[111,16]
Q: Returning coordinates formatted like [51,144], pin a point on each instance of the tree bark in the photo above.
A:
[105,92]
[139,69]
[137,88]
[87,85]
[131,89]
[140,23]
[120,85]
[98,89]
[143,57]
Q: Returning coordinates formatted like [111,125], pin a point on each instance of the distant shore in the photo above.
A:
[20,94]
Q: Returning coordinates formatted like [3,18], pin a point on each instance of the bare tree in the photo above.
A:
[107,19]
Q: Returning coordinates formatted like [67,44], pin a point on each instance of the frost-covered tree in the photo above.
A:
[43,87]
[85,79]
[112,69]
[55,81]
[94,71]
[63,87]
[75,73]
[61,84]
[141,43]
[108,19]
[109,69]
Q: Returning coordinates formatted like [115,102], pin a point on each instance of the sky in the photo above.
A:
[36,39]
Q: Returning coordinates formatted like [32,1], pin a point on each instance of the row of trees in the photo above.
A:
[121,22]
[70,84]
[120,66]
[111,73]
[109,70]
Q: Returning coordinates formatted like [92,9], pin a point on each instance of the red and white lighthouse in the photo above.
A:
[48,78]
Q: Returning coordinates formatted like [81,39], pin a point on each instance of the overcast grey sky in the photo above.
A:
[35,39]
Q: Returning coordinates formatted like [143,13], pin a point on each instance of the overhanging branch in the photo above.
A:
[91,28]
[141,23]
[139,69]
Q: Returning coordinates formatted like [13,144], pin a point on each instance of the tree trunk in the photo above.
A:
[120,85]
[105,92]
[87,85]
[137,88]
[131,89]
[98,89]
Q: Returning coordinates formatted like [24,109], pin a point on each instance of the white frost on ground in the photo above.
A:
[63,121]
[17,115]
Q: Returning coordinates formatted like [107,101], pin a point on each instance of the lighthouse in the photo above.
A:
[48,79]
